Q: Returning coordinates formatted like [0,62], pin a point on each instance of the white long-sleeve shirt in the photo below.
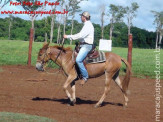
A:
[85,35]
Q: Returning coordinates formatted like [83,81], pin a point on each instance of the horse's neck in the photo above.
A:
[65,61]
[66,57]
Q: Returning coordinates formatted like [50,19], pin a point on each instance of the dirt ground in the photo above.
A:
[25,90]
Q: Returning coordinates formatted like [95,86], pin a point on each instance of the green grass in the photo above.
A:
[143,60]
[16,52]
[16,117]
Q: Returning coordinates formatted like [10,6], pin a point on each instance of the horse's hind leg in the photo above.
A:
[106,90]
[118,82]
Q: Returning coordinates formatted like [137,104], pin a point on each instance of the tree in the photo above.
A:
[59,28]
[9,27]
[53,21]
[45,28]
[3,3]
[31,8]
[159,26]
[52,24]
[67,5]
[20,31]
[60,19]
[130,13]
[74,8]
[102,14]
[116,13]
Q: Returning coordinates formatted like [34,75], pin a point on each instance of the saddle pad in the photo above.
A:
[99,59]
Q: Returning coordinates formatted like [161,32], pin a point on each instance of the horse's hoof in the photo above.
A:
[68,104]
[71,103]
[74,101]
[97,106]
[125,106]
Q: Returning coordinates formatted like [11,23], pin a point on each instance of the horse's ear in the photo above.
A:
[45,45]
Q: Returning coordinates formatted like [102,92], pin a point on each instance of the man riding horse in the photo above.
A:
[86,37]
[63,57]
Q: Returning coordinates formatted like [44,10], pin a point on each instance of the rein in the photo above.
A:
[60,51]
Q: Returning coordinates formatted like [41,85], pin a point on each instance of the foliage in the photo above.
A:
[20,31]
[159,26]
[116,13]
[131,13]
[3,3]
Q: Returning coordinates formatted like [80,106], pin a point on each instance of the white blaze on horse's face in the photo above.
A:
[39,66]
[40,60]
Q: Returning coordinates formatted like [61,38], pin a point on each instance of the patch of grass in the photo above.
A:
[143,60]
[17,117]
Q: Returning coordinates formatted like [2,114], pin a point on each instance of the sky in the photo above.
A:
[143,20]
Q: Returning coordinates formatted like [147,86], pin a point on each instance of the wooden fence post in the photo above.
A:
[129,58]
[30,47]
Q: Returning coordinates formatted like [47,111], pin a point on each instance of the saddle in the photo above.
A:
[91,55]
[94,56]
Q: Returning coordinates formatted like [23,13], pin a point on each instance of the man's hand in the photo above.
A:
[65,36]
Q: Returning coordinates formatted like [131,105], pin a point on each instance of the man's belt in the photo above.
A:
[82,43]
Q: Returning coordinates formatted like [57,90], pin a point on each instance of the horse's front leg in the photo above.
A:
[73,92]
[66,84]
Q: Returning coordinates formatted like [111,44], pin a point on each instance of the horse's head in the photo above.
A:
[54,53]
[43,57]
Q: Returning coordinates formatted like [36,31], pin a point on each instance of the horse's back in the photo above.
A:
[112,57]
[113,62]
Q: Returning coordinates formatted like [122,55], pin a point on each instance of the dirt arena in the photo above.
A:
[25,90]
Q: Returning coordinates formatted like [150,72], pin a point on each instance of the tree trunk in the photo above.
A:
[156,39]
[64,27]
[102,32]
[9,30]
[160,38]
[45,37]
[102,29]
[129,30]
[58,36]
[111,28]
[33,27]
[52,27]
[102,24]
[129,23]
[72,27]
[111,31]
[65,22]
[129,26]
[32,22]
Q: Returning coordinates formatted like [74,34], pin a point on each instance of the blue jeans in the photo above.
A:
[84,50]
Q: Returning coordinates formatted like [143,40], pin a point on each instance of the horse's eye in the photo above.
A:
[40,55]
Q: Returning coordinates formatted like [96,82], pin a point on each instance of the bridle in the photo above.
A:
[57,55]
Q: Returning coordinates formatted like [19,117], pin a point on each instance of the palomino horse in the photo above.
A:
[63,57]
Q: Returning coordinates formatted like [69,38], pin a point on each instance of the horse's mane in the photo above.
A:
[64,49]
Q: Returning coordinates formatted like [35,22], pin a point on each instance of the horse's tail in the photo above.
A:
[126,79]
